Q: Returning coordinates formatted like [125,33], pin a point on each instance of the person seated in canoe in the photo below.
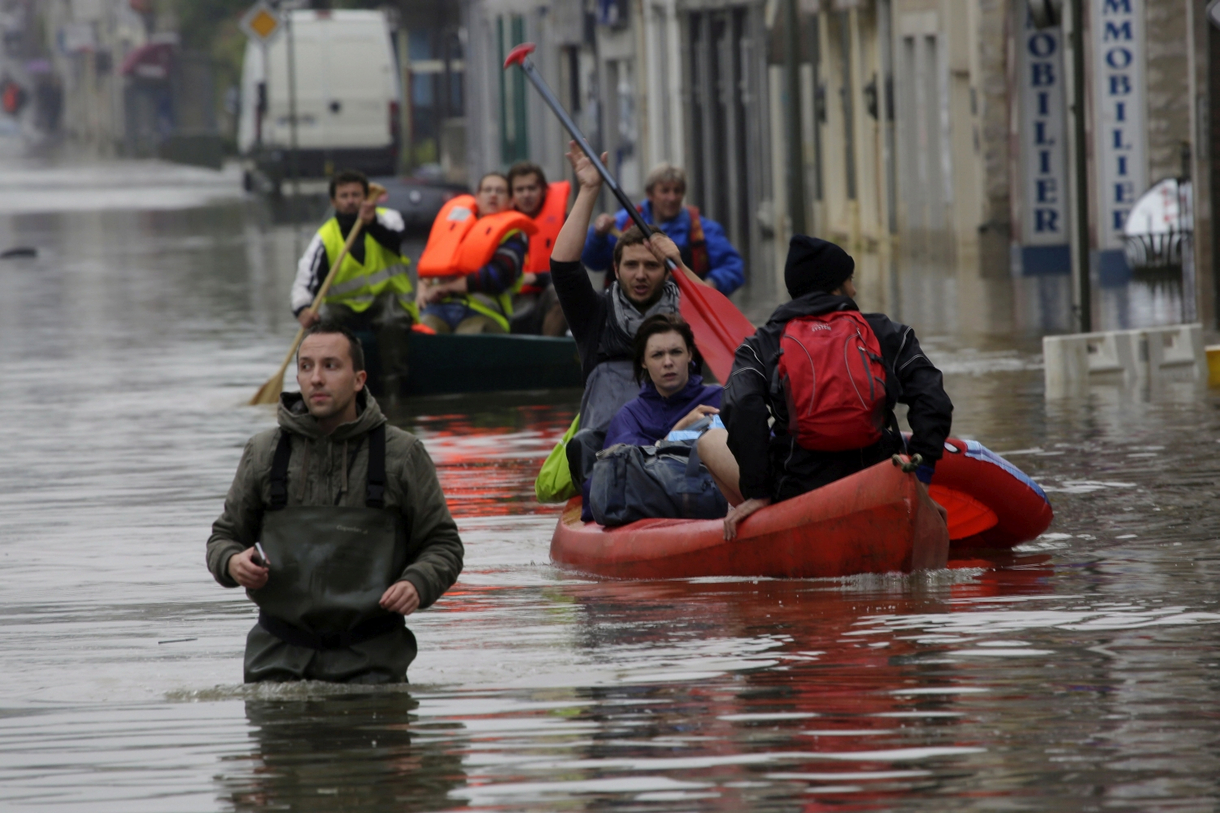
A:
[701,241]
[604,323]
[473,260]
[672,396]
[537,306]
[862,365]
[371,294]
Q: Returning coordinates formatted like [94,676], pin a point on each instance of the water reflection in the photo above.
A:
[489,447]
[961,294]
[301,757]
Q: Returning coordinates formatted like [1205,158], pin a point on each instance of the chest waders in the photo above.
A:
[330,565]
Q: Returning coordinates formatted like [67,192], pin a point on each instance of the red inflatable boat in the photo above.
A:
[991,503]
[878,521]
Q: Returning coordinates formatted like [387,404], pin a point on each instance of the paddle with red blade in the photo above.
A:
[717,324]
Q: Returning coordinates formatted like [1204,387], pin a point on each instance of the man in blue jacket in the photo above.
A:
[701,241]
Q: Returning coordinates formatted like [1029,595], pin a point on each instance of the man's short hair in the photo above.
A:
[631,237]
[654,326]
[523,168]
[346,176]
[487,175]
[354,346]
[665,173]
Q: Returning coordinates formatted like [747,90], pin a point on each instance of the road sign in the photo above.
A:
[262,22]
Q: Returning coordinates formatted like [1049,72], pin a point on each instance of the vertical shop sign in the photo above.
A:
[1120,130]
[1043,137]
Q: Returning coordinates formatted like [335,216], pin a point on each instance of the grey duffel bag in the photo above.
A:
[665,481]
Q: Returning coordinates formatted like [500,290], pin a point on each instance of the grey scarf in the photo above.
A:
[627,319]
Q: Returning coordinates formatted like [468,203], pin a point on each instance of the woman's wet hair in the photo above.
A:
[353,343]
[654,326]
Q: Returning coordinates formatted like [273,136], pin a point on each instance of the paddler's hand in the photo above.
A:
[368,211]
[421,296]
[665,249]
[586,174]
[694,416]
[401,598]
[602,224]
[739,513]
[243,570]
[308,318]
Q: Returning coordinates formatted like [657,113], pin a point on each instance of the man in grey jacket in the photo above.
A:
[351,527]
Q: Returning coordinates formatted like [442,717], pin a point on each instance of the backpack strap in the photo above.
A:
[279,472]
[375,493]
[700,260]
[693,462]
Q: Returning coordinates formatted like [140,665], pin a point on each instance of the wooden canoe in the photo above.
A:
[877,521]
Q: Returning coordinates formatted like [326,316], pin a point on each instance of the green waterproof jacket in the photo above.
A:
[331,470]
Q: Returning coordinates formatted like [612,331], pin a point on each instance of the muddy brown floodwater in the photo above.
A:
[1083,673]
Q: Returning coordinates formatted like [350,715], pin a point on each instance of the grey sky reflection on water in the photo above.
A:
[1079,672]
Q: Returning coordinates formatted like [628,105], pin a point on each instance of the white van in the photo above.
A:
[347,97]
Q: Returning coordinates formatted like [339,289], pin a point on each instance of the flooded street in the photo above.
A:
[1081,673]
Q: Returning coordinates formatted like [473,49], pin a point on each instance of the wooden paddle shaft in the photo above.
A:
[317,300]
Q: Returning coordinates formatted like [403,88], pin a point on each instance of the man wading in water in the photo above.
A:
[351,519]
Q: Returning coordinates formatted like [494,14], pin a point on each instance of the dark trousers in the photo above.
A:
[801,470]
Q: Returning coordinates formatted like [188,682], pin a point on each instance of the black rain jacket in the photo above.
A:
[772,464]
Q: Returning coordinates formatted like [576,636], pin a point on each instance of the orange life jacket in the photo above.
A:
[695,255]
[549,221]
[461,242]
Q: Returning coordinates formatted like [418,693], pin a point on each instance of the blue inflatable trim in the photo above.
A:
[978,451]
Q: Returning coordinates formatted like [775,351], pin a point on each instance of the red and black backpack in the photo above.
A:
[833,379]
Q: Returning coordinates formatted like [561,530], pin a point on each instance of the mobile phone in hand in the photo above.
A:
[260,556]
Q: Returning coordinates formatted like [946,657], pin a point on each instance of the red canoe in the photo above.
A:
[877,521]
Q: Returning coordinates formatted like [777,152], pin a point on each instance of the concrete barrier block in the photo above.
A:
[1126,359]
[1176,353]
[1075,362]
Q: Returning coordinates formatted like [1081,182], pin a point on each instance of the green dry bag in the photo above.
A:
[554,483]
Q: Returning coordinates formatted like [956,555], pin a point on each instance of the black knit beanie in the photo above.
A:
[815,265]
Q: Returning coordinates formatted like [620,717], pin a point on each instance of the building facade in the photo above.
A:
[932,134]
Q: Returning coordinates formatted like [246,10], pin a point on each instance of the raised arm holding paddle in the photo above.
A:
[718,325]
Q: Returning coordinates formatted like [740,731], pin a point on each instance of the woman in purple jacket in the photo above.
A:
[671,398]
